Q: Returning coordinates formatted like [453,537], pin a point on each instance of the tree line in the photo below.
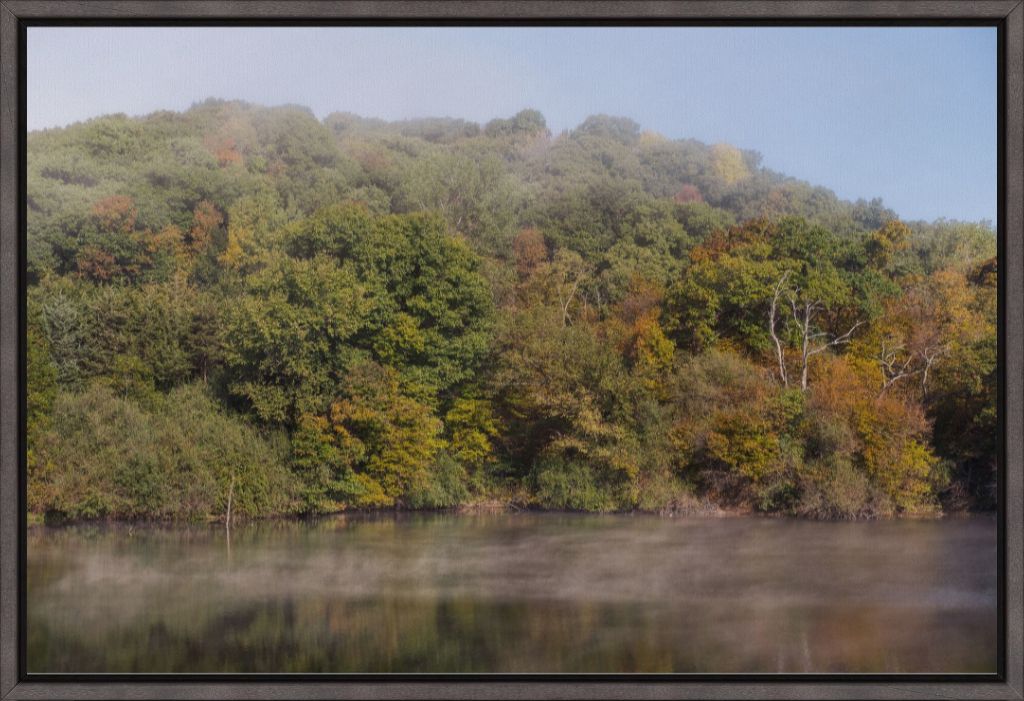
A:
[247,306]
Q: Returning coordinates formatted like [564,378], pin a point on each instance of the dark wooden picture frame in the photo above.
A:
[1007,15]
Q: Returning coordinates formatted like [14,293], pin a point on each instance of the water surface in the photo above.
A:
[516,593]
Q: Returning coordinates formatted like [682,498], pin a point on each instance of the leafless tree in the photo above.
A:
[930,355]
[896,363]
[895,366]
[565,298]
[569,275]
[812,339]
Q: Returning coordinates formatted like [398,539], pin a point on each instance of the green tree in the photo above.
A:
[429,309]
[287,339]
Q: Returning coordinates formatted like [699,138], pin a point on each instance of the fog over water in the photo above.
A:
[517,593]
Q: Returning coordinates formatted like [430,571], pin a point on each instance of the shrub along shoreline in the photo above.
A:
[181,458]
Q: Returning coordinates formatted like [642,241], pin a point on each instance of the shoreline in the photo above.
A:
[494,507]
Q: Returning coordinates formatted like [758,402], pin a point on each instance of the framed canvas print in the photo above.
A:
[598,350]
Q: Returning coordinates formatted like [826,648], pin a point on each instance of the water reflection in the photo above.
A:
[516,593]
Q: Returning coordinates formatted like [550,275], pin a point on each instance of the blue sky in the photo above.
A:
[906,114]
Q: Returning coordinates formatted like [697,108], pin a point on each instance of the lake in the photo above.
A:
[515,592]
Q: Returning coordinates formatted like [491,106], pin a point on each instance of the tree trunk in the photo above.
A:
[772,316]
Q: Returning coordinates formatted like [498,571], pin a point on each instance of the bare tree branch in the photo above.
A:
[803,317]
[568,301]
[892,370]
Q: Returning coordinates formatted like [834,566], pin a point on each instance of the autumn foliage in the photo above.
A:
[314,316]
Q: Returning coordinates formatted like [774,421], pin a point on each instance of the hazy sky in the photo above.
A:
[906,114]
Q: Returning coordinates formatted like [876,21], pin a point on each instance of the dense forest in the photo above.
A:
[239,311]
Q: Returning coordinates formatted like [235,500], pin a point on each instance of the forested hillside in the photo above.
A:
[244,309]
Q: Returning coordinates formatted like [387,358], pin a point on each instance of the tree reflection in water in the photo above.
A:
[516,593]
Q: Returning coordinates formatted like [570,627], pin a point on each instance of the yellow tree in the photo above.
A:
[922,327]
[394,439]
